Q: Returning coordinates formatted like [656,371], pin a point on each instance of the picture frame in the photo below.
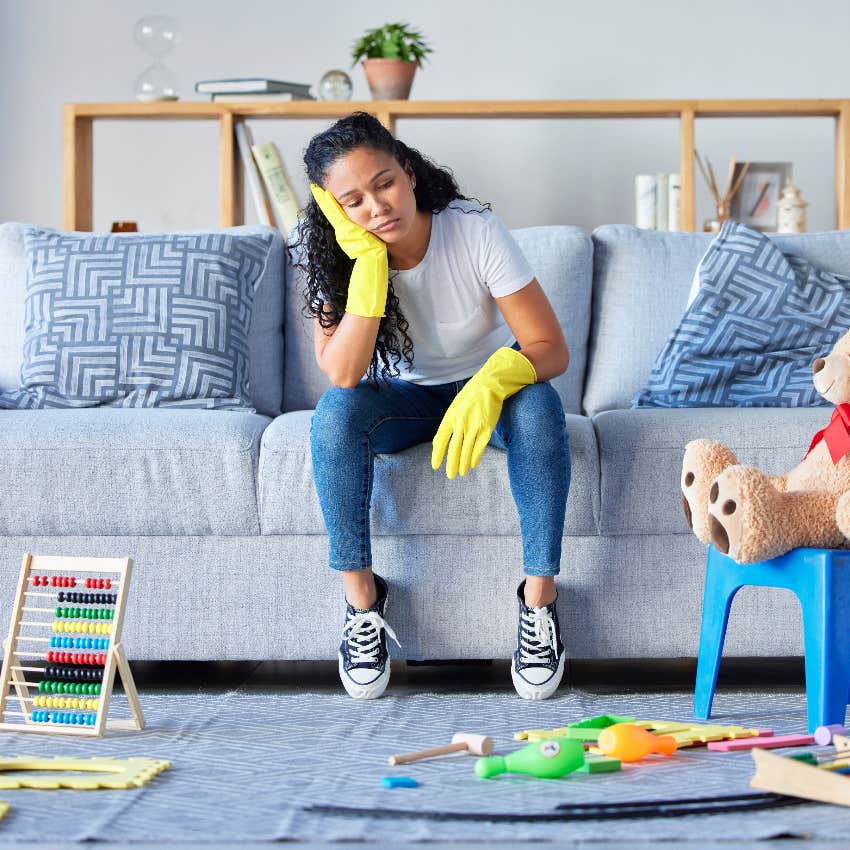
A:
[755,201]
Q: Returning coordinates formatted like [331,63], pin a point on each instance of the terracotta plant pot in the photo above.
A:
[389,79]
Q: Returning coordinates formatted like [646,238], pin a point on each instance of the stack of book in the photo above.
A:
[253,88]
[658,201]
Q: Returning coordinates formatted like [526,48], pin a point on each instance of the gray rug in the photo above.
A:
[246,765]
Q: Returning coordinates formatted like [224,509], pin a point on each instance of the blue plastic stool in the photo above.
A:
[821,580]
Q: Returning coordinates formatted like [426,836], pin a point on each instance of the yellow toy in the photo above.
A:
[685,734]
[104,772]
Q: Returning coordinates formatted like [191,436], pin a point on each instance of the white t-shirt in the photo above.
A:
[448,298]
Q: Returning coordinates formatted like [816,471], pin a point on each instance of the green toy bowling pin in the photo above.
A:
[549,759]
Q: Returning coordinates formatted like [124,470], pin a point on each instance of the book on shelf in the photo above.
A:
[658,201]
[245,141]
[250,85]
[258,97]
[278,184]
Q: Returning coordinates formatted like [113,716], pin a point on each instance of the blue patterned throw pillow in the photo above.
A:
[138,320]
[749,337]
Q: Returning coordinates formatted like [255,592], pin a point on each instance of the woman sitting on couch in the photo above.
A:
[456,346]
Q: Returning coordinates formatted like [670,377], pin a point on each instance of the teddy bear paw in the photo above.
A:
[739,516]
[704,460]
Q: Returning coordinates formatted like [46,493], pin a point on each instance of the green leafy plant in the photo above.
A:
[391,41]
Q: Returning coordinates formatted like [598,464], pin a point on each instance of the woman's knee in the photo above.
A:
[537,413]
[338,411]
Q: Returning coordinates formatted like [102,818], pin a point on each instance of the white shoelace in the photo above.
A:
[362,632]
[537,637]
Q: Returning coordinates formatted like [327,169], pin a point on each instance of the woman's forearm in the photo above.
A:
[548,358]
[346,355]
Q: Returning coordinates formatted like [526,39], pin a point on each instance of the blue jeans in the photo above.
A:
[351,424]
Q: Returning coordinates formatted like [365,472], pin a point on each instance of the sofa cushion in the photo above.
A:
[408,497]
[111,471]
[562,261]
[641,283]
[640,456]
[262,384]
[758,322]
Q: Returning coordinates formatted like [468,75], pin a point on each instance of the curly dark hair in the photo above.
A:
[325,266]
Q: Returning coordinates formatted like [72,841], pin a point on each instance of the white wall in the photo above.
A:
[164,174]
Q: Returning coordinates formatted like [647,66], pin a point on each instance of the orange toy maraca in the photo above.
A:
[628,742]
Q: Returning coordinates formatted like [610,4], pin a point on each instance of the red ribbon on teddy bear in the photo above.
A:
[836,434]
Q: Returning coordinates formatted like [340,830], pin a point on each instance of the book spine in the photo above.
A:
[278,184]
[674,203]
[645,189]
[661,191]
[252,175]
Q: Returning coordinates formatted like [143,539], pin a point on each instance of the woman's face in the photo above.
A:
[375,192]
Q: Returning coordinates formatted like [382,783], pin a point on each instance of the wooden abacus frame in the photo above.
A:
[116,659]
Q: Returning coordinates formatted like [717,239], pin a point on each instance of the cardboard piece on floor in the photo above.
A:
[32,628]
[841,743]
[797,779]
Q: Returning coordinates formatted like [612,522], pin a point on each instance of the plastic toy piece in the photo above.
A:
[694,734]
[535,735]
[825,734]
[104,772]
[399,782]
[628,742]
[549,759]
[600,764]
[540,734]
[603,721]
[479,745]
[763,743]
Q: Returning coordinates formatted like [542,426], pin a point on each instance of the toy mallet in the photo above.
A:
[479,745]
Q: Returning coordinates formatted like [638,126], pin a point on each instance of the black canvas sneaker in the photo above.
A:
[364,663]
[538,662]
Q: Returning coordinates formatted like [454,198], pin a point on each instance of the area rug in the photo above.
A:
[252,765]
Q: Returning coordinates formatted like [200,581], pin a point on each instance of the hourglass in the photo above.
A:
[156,35]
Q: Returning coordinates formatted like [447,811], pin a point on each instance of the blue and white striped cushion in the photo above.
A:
[749,337]
[138,320]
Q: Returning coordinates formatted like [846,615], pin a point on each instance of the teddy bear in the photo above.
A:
[751,516]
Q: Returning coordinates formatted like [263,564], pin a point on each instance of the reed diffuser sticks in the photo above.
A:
[722,200]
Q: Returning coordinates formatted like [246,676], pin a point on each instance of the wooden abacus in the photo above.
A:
[72,696]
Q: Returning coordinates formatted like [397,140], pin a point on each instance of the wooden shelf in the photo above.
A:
[79,117]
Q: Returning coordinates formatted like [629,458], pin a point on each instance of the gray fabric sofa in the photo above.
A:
[220,516]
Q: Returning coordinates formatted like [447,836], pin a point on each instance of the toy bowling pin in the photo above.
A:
[549,759]
[628,742]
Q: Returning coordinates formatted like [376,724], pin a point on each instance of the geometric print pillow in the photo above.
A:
[138,320]
[749,337]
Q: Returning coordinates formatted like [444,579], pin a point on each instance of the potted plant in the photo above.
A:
[391,54]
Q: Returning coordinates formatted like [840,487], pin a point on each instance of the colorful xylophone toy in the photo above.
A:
[68,614]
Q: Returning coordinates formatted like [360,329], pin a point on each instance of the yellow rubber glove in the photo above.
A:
[472,416]
[367,288]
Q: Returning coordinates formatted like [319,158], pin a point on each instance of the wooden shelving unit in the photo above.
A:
[79,119]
